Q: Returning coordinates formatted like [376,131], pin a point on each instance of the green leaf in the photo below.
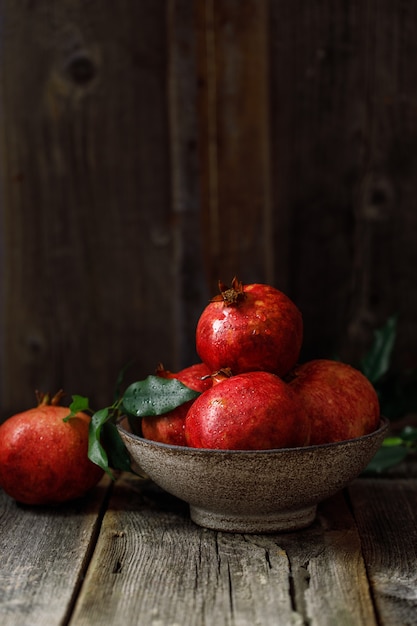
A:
[78,404]
[385,458]
[392,441]
[96,452]
[155,396]
[376,362]
[118,455]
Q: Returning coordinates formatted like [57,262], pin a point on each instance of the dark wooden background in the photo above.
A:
[149,148]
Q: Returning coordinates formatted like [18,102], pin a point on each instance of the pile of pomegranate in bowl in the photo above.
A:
[263,439]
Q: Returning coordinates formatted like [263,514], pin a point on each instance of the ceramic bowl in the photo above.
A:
[253,491]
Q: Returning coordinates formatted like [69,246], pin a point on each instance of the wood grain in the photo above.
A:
[189,291]
[136,558]
[44,554]
[343,131]
[385,512]
[327,569]
[87,199]
[154,565]
[233,109]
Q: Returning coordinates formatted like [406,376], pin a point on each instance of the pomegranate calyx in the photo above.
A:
[221,374]
[230,296]
[161,371]
[44,399]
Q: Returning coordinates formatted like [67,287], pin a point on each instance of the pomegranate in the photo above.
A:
[249,411]
[249,328]
[43,460]
[340,400]
[169,428]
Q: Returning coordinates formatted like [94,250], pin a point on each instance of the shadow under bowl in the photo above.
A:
[253,491]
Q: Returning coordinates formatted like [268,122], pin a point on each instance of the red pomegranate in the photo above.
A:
[248,328]
[43,460]
[169,428]
[250,411]
[341,402]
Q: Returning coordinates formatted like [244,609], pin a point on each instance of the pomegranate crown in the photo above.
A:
[230,295]
[45,399]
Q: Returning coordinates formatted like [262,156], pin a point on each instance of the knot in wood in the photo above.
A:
[81,69]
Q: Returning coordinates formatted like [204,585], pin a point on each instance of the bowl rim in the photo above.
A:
[382,427]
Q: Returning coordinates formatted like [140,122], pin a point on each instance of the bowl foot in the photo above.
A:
[267,523]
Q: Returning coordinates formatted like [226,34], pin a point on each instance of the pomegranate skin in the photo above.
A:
[341,402]
[263,330]
[169,428]
[43,460]
[250,411]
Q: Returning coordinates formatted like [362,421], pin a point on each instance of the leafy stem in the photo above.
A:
[152,396]
[105,447]
[397,394]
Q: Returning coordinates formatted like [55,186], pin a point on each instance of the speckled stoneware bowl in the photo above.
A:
[253,491]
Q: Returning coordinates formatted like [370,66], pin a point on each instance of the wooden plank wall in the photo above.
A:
[149,148]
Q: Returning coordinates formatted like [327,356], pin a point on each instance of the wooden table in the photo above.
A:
[129,554]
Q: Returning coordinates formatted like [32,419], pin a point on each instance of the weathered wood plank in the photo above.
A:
[313,156]
[189,287]
[233,108]
[330,584]
[85,196]
[344,130]
[44,553]
[386,515]
[154,566]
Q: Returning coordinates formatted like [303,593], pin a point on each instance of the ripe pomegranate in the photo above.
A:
[250,411]
[43,460]
[169,428]
[340,400]
[248,328]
